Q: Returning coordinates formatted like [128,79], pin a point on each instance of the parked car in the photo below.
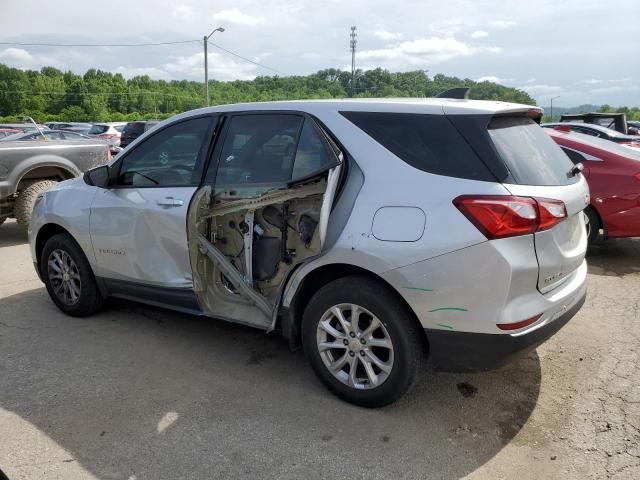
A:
[29,168]
[109,131]
[633,126]
[45,135]
[613,174]
[371,232]
[5,132]
[74,126]
[133,130]
[596,131]
[614,121]
[23,127]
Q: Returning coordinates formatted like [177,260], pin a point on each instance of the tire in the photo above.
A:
[23,207]
[594,226]
[403,360]
[88,299]
[3,219]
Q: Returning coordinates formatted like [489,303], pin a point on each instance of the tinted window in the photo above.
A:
[574,156]
[313,154]
[166,158]
[531,156]
[133,128]
[258,149]
[98,129]
[427,142]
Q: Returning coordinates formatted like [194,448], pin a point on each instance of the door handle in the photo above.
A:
[170,202]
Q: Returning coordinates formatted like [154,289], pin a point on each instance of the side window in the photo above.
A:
[574,156]
[427,142]
[313,154]
[167,158]
[258,149]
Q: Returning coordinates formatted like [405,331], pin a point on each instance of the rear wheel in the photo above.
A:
[362,342]
[593,225]
[69,278]
[23,207]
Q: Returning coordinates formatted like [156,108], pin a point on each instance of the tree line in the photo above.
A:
[53,95]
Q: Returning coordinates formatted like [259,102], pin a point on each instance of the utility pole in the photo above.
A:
[205,40]
[352,46]
[552,99]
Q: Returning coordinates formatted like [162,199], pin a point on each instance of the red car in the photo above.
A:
[613,174]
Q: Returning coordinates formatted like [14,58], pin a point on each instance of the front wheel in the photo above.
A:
[362,341]
[69,278]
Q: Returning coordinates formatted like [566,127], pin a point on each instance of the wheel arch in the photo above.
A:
[46,172]
[45,233]
[291,317]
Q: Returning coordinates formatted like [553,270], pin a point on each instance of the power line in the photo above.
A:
[26,44]
[246,59]
[226,50]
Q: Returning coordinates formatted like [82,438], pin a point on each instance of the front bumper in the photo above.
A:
[464,352]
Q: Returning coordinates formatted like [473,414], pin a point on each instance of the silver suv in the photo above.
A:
[372,233]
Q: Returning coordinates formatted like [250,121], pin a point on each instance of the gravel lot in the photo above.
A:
[140,393]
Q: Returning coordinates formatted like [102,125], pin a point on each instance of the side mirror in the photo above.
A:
[98,177]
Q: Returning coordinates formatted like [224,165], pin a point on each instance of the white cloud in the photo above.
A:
[220,67]
[494,79]
[615,89]
[592,81]
[183,12]
[531,80]
[421,51]
[20,58]
[448,27]
[233,15]
[542,89]
[385,35]
[479,34]
[502,23]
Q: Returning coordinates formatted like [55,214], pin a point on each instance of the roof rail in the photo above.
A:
[458,93]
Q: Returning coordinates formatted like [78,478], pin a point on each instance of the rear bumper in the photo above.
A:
[463,352]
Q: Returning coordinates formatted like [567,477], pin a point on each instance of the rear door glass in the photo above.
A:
[428,142]
[531,156]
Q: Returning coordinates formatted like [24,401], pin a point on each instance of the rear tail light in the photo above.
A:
[502,216]
[108,155]
[518,325]
[107,135]
[637,176]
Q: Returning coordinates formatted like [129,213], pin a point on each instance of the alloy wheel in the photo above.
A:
[355,346]
[64,277]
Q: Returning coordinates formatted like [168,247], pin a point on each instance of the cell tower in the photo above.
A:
[352,46]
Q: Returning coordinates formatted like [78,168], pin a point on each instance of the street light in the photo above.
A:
[205,39]
[552,99]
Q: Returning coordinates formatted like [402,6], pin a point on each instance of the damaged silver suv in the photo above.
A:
[373,233]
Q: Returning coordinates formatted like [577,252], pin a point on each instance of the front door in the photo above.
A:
[138,224]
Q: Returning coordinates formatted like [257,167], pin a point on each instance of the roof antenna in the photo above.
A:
[458,93]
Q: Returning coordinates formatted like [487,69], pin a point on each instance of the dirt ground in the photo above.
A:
[141,393]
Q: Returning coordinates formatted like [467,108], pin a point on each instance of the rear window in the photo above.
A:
[427,142]
[98,129]
[531,156]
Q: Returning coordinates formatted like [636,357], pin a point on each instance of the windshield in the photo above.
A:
[529,153]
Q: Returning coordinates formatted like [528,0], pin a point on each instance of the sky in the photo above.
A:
[584,51]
